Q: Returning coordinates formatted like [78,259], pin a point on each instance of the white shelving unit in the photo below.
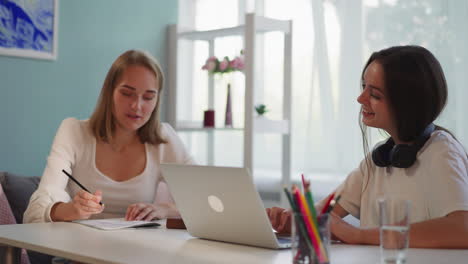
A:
[253,25]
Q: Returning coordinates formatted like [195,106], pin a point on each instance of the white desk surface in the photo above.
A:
[161,245]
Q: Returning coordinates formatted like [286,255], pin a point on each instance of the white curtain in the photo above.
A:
[332,39]
[327,61]
[437,25]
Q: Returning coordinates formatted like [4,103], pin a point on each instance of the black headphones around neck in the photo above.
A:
[401,155]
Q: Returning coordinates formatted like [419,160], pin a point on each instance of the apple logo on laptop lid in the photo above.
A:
[216,204]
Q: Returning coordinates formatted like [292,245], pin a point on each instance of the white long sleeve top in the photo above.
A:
[436,184]
[74,150]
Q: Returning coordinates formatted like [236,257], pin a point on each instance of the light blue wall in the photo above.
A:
[36,95]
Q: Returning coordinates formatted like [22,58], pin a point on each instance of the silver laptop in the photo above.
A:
[221,203]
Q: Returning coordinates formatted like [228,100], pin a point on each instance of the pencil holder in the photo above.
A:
[309,246]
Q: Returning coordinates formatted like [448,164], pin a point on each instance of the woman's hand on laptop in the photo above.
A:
[280,219]
[148,212]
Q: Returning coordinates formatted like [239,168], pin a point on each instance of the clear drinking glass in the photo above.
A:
[302,248]
[394,229]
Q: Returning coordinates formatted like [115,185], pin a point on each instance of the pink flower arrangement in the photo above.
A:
[214,65]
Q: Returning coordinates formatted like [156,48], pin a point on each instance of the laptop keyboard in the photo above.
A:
[284,240]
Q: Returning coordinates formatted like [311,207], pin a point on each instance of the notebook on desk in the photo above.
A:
[221,203]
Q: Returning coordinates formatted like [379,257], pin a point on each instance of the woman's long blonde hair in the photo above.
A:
[102,121]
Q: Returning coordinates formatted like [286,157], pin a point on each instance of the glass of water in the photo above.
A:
[394,229]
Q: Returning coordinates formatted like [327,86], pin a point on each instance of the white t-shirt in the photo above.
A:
[74,150]
[436,184]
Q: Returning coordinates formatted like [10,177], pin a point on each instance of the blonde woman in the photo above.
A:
[115,154]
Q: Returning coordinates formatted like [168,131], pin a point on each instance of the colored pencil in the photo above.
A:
[327,204]
[310,199]
[299,223]
[311,228]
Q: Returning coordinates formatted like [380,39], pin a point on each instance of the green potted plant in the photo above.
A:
[261,109]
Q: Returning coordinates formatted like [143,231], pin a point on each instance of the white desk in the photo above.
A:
[161,245]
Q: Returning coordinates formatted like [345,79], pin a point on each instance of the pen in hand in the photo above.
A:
[335,202]
[77,182]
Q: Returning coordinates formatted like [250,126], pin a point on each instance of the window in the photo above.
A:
[332,41]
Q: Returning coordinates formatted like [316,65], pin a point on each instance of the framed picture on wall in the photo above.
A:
[29,28]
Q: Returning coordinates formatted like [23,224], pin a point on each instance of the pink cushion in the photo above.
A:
[6,215]
[7,218]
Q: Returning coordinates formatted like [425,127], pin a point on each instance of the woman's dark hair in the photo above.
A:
[415,87]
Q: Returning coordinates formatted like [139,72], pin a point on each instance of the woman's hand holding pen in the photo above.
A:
[86,204]
[82,206]
[148,212]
